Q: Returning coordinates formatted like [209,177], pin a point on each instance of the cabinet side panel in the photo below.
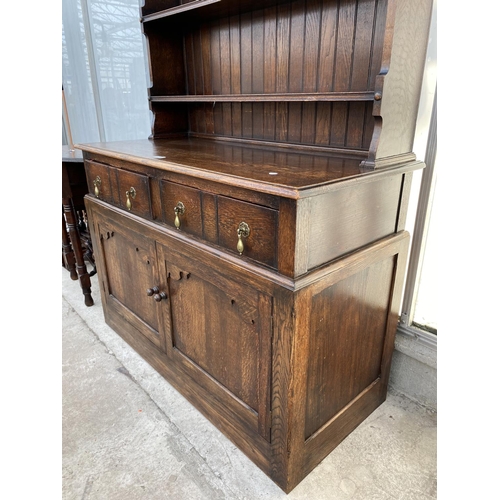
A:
[348,328]
[401,85]
[347,219]
[166,55]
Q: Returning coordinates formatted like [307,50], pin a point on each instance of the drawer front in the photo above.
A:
[260,244]
[134,193]
[99,181]
[188,201]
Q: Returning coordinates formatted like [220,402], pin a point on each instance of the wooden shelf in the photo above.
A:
[204,10]
[178,9]
[287,97]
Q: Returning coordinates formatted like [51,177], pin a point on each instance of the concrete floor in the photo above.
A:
[127,434]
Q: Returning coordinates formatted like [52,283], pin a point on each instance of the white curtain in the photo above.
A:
[104,70]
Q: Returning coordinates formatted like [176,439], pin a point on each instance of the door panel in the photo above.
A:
[131,269]
[223,329]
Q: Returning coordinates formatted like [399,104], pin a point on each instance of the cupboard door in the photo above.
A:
[130,270]
[220,330]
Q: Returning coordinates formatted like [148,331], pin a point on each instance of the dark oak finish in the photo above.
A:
[306,73]
[261,241]
[282,115]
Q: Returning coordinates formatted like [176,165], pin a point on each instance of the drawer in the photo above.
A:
[134,193]
[125,189]
[260,244]
[189,212]
[99,181]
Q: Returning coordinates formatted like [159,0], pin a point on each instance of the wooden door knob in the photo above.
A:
[160,296]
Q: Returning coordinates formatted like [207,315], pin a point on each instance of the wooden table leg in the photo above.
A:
[68,255]
[74,237]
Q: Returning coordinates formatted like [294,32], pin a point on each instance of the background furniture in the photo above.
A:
[253,250]
[76,242]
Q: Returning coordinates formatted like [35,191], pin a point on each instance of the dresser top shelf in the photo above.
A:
[274,170]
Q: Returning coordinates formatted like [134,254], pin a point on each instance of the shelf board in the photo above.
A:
[178,10]
[300,97]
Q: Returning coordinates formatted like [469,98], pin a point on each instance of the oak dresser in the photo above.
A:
[253,249]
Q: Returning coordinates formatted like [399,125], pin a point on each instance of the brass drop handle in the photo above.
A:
[97,185]
[178,210]
[130,194]
[243,232]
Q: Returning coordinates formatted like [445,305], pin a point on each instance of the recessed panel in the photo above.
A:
[348,329]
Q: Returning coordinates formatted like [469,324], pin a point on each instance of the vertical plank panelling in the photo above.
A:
[294,121]
[227,124]
[308,131]
[258,72]
[281,121]
[234,40]
[343,61]
[217,114]
[216,75]
[237,121]
[338,124]
[323,117]
[269,121]
[206,59]
[246,53]
[296,56]
[326,60]
[234,45]
[298,46]
[246,119]
[258,52]
[311,49]
[270,39]
[209,117]
[198,62]
[282,65]
[215,58]
[200,118]
[313,22]
[355,125]
[190,67]
[362,45]
[246,72]
[258,120]
[225,72]
[282,48]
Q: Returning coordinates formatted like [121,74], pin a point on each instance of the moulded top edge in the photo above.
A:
[275,171]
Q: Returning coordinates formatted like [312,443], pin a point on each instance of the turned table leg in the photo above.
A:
[68,255]
[74,237]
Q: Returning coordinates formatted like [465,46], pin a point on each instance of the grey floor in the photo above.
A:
[127,434]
